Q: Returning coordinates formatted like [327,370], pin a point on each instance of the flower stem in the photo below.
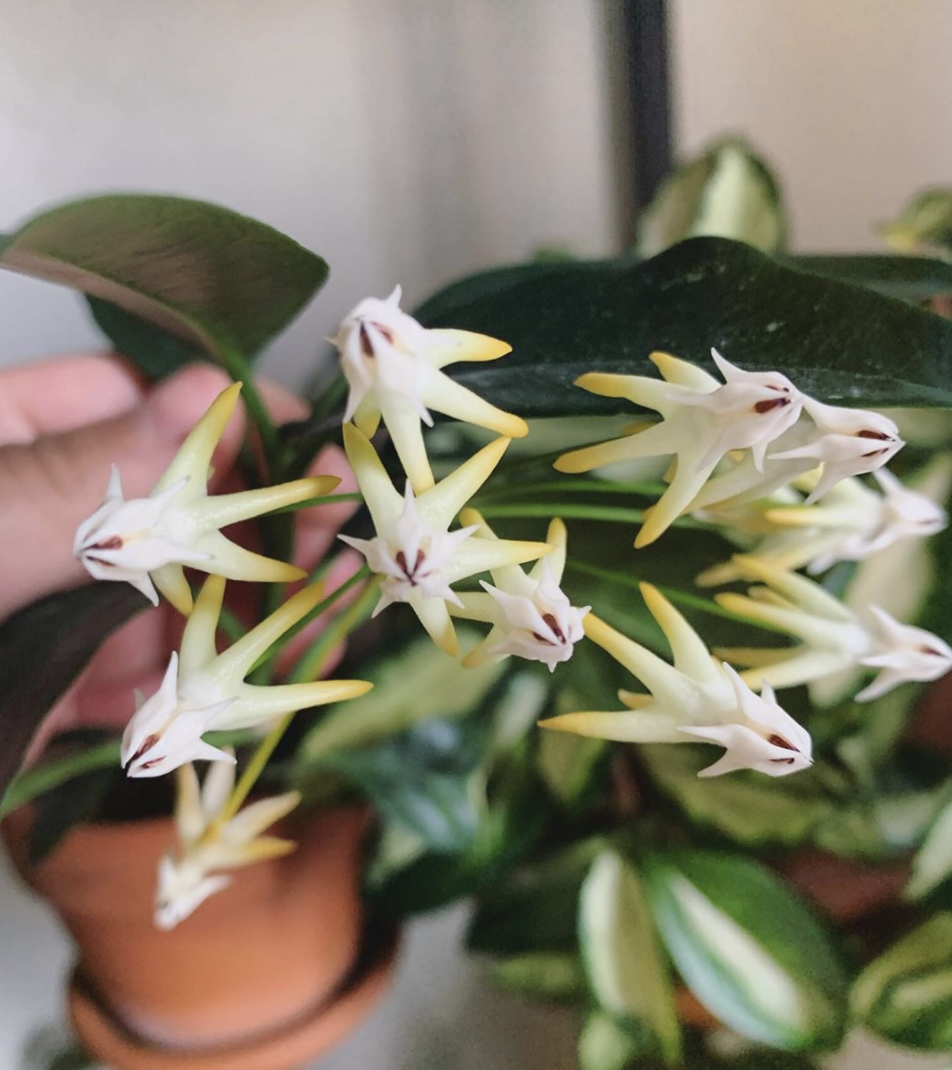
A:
[239,368]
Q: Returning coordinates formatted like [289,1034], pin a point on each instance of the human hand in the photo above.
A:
[63,421]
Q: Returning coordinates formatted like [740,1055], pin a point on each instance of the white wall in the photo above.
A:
[405,140]
[849,100]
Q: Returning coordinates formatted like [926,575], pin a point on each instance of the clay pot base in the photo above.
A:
[109,1040]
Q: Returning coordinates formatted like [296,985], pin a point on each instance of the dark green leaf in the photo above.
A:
[905,995]
[43,648]
[836,341]
[536,907]
[749,950]
[426,780]
[155,351]
[218,280]
[913,278]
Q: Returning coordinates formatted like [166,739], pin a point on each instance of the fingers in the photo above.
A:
[50,485]
[317,528]
[63,393]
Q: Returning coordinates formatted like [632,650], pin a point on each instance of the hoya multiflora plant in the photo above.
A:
[736,679]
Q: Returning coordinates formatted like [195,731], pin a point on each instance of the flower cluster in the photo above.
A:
[393,368]
[753,433]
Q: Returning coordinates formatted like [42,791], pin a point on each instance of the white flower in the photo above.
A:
[531,616]
[851,524]
[393,366]
[696,697]
[903,653]
[414,551]
[834,639]
[702,421]
[207,845]
[848,442]
[205,691]
[146,541]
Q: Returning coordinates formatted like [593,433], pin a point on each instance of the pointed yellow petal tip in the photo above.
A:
[180,603]
[356,688]
[474,659]
[323,485]
[656,602]
[468,517]
[563,723]
[557,535]
[513,426]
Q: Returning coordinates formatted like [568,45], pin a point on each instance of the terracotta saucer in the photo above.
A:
[309,1038]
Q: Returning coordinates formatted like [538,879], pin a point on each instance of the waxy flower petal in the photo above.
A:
[701,423]
[146,541]
[205,691]
[694,698]
[393,366]
[190,874]
[414,551]
[834,639]
[531,617]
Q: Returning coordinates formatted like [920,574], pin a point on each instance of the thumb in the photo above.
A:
[48,486]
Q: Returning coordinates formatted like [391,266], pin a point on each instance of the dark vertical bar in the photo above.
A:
[637,44]
[646,27]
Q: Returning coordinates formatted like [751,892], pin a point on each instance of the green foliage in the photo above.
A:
[43,648]
[905,995]
[924,224]
[837,341]
[932,864]
[623,961]
[605,1043]
[218,282]
[548,975]
[727,192]
[749,949]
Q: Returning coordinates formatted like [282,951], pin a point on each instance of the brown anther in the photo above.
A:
[880,436]
[366,343]
[401,559]
[875,453]
[549,618]
[147,744]
[768,404]
[930,650]
[779,741]
[112,543]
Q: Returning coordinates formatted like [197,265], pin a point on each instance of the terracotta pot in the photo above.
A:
[265,975]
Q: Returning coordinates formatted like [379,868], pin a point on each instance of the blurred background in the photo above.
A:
[415,141]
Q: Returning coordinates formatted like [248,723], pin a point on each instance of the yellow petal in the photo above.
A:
[195,454]
[484,555]
[453,400]
[198,640]
[435,618]
[236,661]
[367,417]
[684,373]
[634,701]
[224,509]
[448,346]
[171,583]
[441,503]
[661,679]
[279,699]
[627,726]
[383,500]
[406,430]
[691,656]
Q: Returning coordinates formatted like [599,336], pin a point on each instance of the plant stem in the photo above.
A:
[239,368]
[311,663]
[596,486]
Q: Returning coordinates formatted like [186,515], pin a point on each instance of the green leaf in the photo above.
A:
[924,224]
[43,648]
[932,864]
[548,975]
[216,280]
[605,1043]
[905,995]
[750,951]
[150,348]
[416,684]
[536,907]
[912,278]
[624,964]
[426,780]
[747,808]
[836,341]
[728,192]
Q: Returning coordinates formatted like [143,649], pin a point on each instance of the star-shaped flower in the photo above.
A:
[414,551]
[696,697]
[146,541]
[852,523]
[531,617]
[702,421]
[189,875]
[394,368]
[835,641]
[205,691]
